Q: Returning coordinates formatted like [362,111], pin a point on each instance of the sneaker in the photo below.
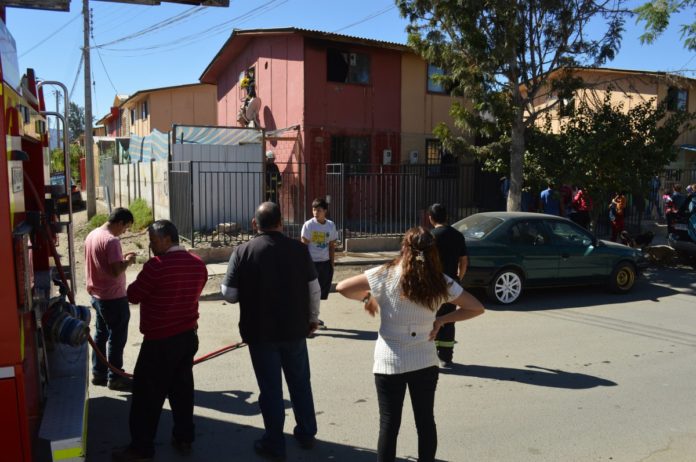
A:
[99,380]
[128,454]
[306,442]
[121,384]
[261,449]
[322,325]
[182,447]
[446,364]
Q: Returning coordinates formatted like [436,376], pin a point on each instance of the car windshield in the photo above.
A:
[477,226]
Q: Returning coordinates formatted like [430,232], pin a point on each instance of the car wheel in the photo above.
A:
[506,287]
[623,278]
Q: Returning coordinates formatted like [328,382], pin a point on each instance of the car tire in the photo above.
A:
[623,278]
[506,287]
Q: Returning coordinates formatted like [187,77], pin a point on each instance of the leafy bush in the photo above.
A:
[142,213]
[94,222]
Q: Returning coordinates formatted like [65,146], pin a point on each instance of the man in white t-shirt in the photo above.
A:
[320,235]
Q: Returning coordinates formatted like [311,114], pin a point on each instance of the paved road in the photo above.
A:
[567,375]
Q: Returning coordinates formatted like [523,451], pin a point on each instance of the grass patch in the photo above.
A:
[142,214]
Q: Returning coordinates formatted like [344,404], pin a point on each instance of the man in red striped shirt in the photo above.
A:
[167,290]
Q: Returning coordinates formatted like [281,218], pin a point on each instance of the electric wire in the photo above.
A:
[77,76]
[43,40]
[367,18]
[201,35]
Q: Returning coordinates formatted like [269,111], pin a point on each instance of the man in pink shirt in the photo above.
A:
[105,271]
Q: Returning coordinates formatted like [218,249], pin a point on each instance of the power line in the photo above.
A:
[367,18]
[77,76]
[205,34]
[43,40]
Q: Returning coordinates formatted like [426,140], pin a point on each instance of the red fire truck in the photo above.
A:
[43,350]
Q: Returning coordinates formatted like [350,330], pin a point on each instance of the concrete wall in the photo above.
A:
[145,180]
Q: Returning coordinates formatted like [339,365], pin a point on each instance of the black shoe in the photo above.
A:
[99,380]
[306,442]
[128,454]
[182,447]
[322,326]
[121,384]
[261,449]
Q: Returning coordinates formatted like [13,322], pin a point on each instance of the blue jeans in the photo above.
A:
[391,390]
[112,328]
[269,359]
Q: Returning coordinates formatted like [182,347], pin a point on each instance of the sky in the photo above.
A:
[133,55]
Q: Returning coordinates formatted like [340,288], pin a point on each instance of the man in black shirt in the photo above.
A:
[274,280]
[452,249]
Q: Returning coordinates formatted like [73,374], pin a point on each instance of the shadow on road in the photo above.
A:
[229,401]
[216,440]
[348,334]
[534,375]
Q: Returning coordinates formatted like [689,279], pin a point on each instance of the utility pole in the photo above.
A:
[89,158]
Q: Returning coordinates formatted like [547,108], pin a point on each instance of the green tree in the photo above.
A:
[500,54]
[656,15]
[76,121]
[57,161]
[606,148]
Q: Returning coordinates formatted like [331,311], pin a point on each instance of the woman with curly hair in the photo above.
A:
[407,293]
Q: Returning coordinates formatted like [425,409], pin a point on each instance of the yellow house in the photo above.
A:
[630,88]
[160,108]
[424,105]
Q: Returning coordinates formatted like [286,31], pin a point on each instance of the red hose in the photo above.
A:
[71,297]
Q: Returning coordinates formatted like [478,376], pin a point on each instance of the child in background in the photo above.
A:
[320,235]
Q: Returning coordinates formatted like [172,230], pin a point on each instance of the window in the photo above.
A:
[143,110]
[347,67]
[433,152]
[353,150]
[527,233]
[433,85]
[566,106]
[569,234]
[677,99]
[132,116]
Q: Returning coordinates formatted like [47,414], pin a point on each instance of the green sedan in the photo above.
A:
[511,251]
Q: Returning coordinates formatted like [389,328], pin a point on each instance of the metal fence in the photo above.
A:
[214,202]
[369,200]
[106,178]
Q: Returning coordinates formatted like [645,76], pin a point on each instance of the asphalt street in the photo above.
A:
[572,374]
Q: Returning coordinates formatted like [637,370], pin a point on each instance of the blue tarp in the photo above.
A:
[154,146]
[226,136]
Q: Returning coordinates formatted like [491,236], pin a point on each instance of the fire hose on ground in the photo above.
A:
[64,320]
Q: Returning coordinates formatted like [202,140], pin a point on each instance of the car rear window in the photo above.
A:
[477,226]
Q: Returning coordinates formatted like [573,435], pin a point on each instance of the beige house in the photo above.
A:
[424,105]
[631,88]
[160,108]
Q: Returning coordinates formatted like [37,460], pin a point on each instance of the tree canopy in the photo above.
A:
[76,121]
[656,16]
[500,54]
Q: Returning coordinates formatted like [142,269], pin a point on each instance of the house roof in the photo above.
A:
[608,70]
[240,37]
[140,93]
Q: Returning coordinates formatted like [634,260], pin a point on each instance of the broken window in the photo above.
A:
[347,67]
[352,150]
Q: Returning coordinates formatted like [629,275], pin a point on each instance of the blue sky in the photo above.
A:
[177,53]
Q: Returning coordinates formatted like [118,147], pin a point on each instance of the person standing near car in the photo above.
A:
[550,201]
[105,273]
[451,247]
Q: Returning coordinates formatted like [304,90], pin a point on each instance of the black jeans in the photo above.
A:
[112,328]
[391,390]
[325,275]
[444,341]
[164,370]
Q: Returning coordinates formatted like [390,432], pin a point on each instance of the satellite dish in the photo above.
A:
[252,112]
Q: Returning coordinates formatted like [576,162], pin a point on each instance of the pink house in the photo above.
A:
[344,94]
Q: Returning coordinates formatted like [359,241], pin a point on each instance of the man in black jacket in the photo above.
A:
[274,280]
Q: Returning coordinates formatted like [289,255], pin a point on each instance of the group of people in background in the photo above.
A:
[279,283]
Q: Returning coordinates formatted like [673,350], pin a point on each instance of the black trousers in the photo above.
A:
[325,275]
[444,341]
[391,390]
[164,370]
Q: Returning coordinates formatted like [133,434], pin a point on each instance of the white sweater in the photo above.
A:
[402,345]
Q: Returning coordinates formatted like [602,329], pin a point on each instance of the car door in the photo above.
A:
[579,262]
[530,241]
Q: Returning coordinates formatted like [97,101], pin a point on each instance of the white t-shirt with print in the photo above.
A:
[403,345]
[319,236]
